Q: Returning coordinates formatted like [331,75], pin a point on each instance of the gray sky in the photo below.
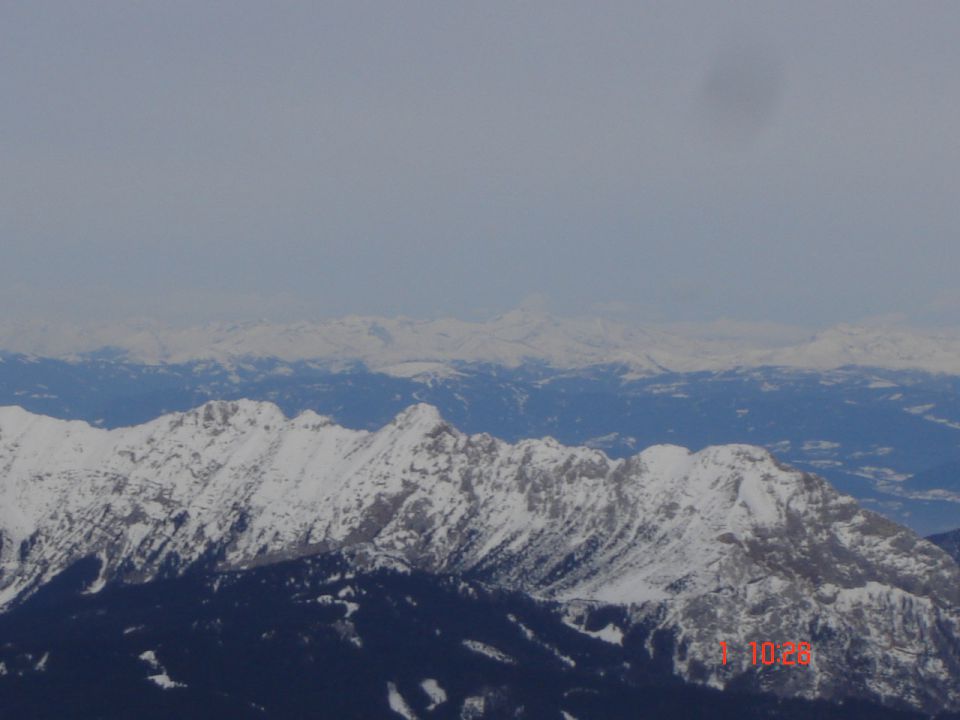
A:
[792,162]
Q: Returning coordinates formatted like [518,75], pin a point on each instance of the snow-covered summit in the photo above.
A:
[723,543]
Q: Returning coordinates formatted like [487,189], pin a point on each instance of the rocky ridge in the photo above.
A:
[724,544]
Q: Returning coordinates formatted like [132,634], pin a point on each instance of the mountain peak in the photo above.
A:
[422,416]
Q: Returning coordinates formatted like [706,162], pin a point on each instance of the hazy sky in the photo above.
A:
[794,162]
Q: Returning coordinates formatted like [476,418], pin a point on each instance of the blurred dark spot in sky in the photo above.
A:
[741,92]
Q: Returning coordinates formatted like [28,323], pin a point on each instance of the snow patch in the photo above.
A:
[41,665]
[474,708]
[398,704]
[160,678]
[489,651]
[819,445]
[610,633]
[532,637]
[437,695]
[164,681]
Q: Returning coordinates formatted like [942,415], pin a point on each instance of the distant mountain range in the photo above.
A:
[409,347]
[694,548]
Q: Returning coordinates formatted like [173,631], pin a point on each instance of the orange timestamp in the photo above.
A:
[769,653]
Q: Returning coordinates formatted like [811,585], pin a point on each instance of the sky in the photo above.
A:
[659,162]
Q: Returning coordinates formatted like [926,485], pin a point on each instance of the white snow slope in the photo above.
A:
[719,545]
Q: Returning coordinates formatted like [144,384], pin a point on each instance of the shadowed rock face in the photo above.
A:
[720,545]
[949,542]
[239,644]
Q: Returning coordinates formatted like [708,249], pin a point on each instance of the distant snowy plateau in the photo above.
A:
[725,544]
[408,347]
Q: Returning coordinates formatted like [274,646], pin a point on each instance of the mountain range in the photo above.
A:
[888,438]
[409,347]
[721,545]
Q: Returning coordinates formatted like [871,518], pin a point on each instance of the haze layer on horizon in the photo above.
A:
[793,163]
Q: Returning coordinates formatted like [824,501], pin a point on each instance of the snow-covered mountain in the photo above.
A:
[893,348]
[406,347]
[720,545]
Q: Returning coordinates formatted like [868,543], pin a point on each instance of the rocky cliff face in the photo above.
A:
[720,545]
